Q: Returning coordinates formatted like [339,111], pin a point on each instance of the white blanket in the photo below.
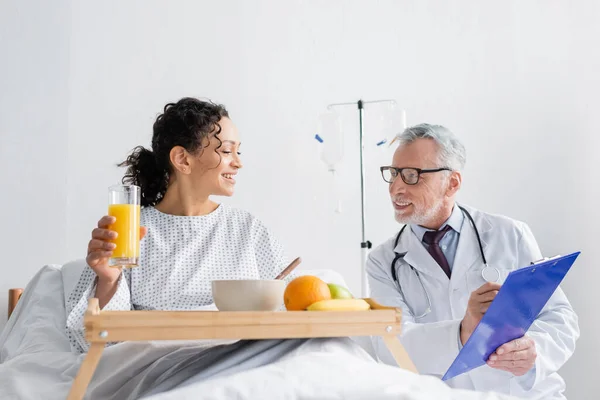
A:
[323,369]
[317,369]
[36,363]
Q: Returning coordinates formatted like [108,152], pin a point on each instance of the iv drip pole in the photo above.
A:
[365,245]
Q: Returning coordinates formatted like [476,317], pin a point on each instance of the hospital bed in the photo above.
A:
[36,360]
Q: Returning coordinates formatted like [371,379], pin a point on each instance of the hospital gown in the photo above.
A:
[180,256]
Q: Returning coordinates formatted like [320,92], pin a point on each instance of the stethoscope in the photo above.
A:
[489,274]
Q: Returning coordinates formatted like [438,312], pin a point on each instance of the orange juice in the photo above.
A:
[127,226]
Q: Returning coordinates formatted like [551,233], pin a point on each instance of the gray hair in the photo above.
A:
[452,153]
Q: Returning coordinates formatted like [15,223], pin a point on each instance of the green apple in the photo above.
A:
[339,292]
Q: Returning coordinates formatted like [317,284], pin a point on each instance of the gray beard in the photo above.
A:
[421,217]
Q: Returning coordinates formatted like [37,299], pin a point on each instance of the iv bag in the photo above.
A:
[331,149]
[329,130]
[383,123]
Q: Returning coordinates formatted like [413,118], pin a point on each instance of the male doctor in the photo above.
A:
[434,270]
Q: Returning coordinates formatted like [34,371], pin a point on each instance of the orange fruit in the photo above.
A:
[304,291]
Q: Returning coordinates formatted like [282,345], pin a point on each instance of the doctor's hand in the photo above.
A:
[479,302]
[516,357]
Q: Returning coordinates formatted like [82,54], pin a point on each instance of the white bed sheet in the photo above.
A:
[322,369]
[36,362]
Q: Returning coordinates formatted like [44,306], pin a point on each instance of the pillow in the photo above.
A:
[38,322]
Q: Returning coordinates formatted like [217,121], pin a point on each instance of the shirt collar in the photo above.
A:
[455,221]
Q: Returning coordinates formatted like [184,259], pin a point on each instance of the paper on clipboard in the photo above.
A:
[519,301]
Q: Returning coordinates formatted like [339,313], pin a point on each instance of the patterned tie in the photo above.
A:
[432,238]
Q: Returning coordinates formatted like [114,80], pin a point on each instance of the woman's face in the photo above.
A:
[214,168]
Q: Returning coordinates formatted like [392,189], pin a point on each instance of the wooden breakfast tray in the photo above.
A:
[115,326]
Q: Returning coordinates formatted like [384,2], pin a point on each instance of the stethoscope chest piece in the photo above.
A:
[490,274]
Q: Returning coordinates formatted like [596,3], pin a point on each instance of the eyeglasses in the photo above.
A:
[410,176]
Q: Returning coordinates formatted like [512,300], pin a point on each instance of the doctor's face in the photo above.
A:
[430,199]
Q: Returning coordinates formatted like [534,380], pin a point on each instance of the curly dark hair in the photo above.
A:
[186,123]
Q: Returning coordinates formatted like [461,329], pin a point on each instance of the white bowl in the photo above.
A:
[248,294]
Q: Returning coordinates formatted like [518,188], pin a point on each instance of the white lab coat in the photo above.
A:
[433,341]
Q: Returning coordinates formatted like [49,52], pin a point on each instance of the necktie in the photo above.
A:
[432,238]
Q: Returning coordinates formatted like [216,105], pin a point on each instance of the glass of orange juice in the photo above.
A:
[124,205]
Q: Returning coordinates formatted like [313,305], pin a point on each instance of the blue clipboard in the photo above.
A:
[519,301]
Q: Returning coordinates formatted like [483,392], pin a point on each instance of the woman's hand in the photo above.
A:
[100,249]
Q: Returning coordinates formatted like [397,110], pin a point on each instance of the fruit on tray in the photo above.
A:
[340,305]
[308,292]
[303,291]
[339,292]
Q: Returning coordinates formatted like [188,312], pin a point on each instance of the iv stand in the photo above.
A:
[365,245]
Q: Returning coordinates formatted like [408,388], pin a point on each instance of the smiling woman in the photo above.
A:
[195,144]
[188,240]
